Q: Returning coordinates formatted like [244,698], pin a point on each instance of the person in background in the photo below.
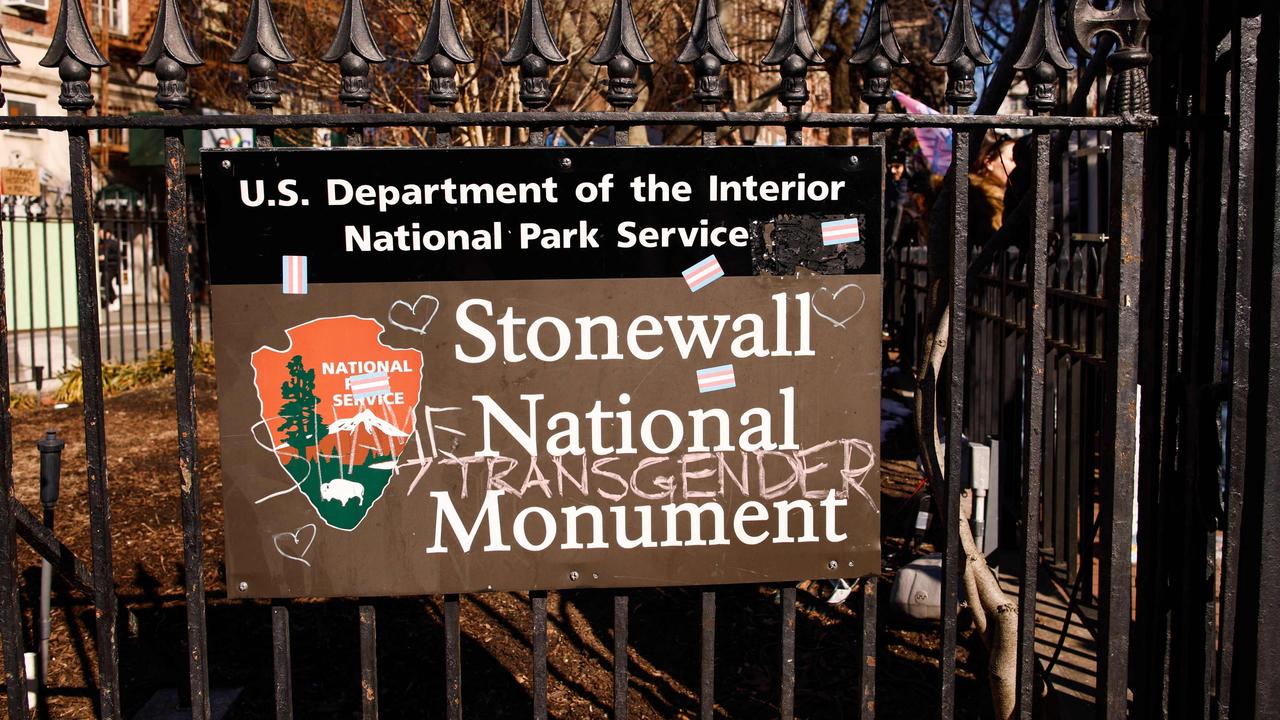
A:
[110,261]
[988,179]
[895,197]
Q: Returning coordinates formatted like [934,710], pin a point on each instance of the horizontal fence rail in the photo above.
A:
[541,119]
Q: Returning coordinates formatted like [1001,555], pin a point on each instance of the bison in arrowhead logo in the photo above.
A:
[340,407]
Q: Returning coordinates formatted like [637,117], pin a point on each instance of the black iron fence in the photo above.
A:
[1074,360]
[1041,336]
[132,278]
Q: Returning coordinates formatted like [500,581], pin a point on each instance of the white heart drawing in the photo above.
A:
[413,313]
[840,323]
[296,535]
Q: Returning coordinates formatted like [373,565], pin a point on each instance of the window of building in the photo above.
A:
[115,13]
[18,108]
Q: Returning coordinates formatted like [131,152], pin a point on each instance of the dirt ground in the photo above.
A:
[496,656]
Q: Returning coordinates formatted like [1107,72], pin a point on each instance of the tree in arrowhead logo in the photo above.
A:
[340,406]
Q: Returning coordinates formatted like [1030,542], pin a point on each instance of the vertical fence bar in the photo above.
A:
[282,661]
[1055,445]
[1051,522]
[31,289]
[707,647]
[868,609]
[263,94]
[1032,428]
[1197,309]
[958,184]
[534,95]
[867,668]
[1194,630]
[121,226]
[10,611]
[368,615]
[1161,344]
[369,662]
[203,297]
[48,280]
[1240,199]
[204,309]
[1119,420]
[126,244]
[452,658]
[707,664]
[1266,693]
[59,204]
[794,69]
[538,605]
[787,624]
[145,275]
[787,609]
[621,600]
[153,227]
[103,307]
[8,208]
[1076,521]
[104,597]
[180,318]
[621,613]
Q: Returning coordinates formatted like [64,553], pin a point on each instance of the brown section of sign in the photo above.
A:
[807,509]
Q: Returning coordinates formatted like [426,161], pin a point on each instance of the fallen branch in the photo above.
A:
[995,615]
[982,591]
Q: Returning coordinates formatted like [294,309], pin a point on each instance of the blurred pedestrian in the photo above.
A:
[110,265]
[988,180]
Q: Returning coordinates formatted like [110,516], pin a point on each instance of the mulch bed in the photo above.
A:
[496,658]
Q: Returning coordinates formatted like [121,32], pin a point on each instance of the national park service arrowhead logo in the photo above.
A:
[339,406]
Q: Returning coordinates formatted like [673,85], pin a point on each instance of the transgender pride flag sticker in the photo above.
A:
[838,232]
[373,384]
[294,277]
[703,273]
[716,378]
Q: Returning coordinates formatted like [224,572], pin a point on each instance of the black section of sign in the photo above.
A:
[260,235]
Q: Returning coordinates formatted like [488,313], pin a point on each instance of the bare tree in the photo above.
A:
[310,85]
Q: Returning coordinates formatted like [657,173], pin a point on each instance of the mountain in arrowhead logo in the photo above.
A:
[340,406]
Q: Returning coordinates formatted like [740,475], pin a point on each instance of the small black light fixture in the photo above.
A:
[749,133]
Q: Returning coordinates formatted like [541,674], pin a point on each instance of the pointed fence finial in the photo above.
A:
[171,53]
[621,49]
[6,58]
[533,49]
[878,52]
[1127,91]
[1042,58]
[353,48]
[794,51]
[73,52]
[442,50]
[261,47]
[708,50]
[961,53]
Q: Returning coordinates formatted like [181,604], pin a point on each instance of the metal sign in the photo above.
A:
[471,369]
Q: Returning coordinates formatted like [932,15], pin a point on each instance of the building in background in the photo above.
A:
[120,29]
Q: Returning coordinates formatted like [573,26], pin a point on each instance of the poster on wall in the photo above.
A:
[458,370]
